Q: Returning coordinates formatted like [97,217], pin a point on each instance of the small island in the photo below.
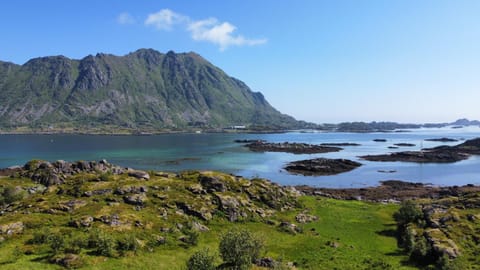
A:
[294,148]
[321,166]
[440,154]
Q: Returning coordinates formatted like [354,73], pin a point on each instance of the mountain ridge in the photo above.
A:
[144,88]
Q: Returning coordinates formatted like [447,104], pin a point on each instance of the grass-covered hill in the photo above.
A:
[95,215]
[141,90]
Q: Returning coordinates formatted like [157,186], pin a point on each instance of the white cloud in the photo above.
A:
[165,19]
[125,18]
[209,30]
[218,33]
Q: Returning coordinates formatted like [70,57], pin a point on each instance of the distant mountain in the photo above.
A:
[465,122]
[142,89]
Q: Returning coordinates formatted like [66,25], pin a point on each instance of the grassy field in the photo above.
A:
[348,235]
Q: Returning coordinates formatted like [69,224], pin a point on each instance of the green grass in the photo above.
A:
[357,229]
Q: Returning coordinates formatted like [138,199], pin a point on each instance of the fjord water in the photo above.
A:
[177,152]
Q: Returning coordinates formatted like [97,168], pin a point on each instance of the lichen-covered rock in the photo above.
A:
[212,184]
[71,205]
[136,199]
[85,221]
[305,218]
[441,244]
[199,210]
[289,227]
[12,228]
[197,226]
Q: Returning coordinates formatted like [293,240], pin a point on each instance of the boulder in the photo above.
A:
[139,174]
[136,199]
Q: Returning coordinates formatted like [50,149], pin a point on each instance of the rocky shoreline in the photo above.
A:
[390,191]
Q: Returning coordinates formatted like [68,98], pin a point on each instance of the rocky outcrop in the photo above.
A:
[294,148]
[55,173]
[321,166]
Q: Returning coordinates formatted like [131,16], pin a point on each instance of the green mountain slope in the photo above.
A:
[142,89]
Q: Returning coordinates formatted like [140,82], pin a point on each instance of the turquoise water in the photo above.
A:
[177,152]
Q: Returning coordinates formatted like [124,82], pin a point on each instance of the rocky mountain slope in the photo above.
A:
[145,88]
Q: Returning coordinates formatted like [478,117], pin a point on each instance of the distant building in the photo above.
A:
[238,127]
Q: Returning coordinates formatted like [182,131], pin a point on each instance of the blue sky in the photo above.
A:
[321,61]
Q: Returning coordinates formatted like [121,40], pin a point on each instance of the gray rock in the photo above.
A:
[139,174]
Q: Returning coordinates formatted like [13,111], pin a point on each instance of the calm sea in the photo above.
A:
[177,152]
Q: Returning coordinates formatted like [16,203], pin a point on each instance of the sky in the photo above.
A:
[323,61]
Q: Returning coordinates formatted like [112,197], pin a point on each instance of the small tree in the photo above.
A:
[239,248]
[408,213]
[201,260]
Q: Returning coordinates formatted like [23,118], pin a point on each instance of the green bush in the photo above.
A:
[409,212]
[40,237]
[10,194]
[101,243]
[201,260]
[191,237]
[127,243]
[445,263]
[239,248]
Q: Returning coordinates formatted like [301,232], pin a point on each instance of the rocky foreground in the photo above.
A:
[117,210]
[441,154]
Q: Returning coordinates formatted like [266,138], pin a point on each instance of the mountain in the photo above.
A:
[465,122]
[145,88]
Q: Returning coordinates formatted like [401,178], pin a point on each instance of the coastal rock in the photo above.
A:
[294,148]
[321,166]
